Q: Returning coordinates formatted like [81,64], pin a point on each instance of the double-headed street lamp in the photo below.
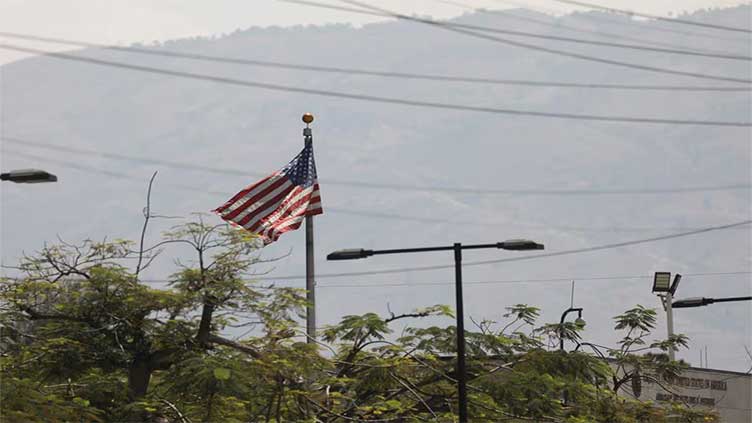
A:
[514,245]
[28,176]
[666,289]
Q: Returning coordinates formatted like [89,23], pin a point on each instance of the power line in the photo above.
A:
[519,281]
[656,17]
[369,214]
[631,24]
[487,282]
[529,257]
[472,33]
[366,72]
[401,187]
[372,98]
[672,49]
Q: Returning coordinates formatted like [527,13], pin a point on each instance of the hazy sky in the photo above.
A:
[184,112]
[126,21]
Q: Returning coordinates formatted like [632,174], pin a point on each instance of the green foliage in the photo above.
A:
[83,340]
[23,401]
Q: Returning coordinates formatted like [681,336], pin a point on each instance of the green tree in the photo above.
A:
[85,340]
[97,329]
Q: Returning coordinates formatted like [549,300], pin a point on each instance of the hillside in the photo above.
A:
[84,106]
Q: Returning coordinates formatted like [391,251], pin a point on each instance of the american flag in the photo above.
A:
[279,202]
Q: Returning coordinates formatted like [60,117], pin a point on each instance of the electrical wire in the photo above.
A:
[375,185]
[372,98]
[520,281]
[560,26]
[336,210]
[672,50]
[563,53]
[686,52]
[601,17]
[522,258]
[366,72]
[656,17]
[487,282]
[496,261]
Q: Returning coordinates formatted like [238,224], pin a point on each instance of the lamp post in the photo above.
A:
[578,322]
[28,176]
[665,289]
[514,245]
[703,301]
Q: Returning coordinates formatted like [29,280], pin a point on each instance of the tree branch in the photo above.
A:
[147,215]
[235,345]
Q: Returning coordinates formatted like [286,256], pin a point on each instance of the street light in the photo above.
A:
[661,282]
[666,291]
[578,322]
[512,244]
[28,176]
[702,301]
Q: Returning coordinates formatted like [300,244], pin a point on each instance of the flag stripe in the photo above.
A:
[290,223]
[267,207]
[263,203]
[278,203]
[300,199]
[291,201]
[251,200]
[241,194]
[254,196]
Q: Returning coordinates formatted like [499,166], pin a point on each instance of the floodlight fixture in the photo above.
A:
[661,282]
[675,283]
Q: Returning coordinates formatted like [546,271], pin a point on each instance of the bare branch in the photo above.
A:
[415,394]
[183,418]
[147,216]
[342,416]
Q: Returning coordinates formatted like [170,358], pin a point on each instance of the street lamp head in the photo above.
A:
[519,245]
[349,254]
[662,282]
[691,302]
[28,176]
[675,284]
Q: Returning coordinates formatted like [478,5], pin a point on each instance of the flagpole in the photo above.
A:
[310,281]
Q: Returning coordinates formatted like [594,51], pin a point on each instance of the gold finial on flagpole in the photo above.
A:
[307,118]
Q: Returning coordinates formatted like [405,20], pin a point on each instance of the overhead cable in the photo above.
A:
[337,210]
[400,187]
[558,52]
[686,52]
[373,98]
[664,47]
[521,258]
[367,72]
[520,281]
[656,17]
[165,280]
[613,20]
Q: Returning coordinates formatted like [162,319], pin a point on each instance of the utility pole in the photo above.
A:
[310,274]
[514,244]
[669,299]
[665,289]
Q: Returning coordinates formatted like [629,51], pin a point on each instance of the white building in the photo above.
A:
[729,393]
